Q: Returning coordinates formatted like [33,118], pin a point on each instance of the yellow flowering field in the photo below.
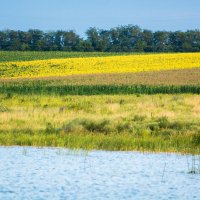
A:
[97,65]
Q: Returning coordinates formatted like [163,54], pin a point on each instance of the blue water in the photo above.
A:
[52,173]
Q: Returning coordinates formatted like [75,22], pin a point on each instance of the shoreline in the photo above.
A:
[91,142]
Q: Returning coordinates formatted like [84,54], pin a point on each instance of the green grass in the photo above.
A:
[160,123]
[6,56]
[177,143]
[56,88]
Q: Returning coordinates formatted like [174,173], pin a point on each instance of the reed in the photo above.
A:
[120,142]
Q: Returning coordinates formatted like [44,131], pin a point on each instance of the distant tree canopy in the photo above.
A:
[121,39]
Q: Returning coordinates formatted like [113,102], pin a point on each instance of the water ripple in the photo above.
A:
[52,173]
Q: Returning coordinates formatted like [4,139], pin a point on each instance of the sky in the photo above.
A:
[79,15]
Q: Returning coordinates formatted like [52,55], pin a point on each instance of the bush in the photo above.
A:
[153,126]
[139,118]
[123,126]
[72,126]
[163,122]
[50,128]
[196,139]
[177,125]
[101,126]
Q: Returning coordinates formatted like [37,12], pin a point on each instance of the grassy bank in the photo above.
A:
[122,142]
[120,122]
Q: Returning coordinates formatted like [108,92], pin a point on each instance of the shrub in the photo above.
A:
[123,126]
[50,128]
[163,122]
[102,126]
[196,139]
[139,118]
[154,126]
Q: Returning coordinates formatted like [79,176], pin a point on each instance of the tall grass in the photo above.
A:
[40,87]
[118,122]
[90,141]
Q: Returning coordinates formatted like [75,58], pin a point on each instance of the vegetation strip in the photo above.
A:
[178,144]
[10,56]
[37,88]
[120,122]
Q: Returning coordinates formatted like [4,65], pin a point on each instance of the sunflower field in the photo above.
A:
[98,65]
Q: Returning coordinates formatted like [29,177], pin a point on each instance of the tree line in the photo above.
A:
[128,38]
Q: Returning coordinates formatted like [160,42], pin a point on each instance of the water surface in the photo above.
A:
[52,173]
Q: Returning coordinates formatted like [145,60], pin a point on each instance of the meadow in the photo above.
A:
[146,102]
[121,122]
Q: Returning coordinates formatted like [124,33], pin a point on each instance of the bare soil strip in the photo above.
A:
[168,77]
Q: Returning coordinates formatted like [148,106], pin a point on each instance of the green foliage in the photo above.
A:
[196,139]
[101,126]
[163,122]
[98,126]
[90,141]
[40,87]
[120,39]
[50,128]
[139,118]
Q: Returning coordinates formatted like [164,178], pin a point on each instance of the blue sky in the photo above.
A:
[82,14]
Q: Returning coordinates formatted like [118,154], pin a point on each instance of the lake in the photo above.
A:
[56,173]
